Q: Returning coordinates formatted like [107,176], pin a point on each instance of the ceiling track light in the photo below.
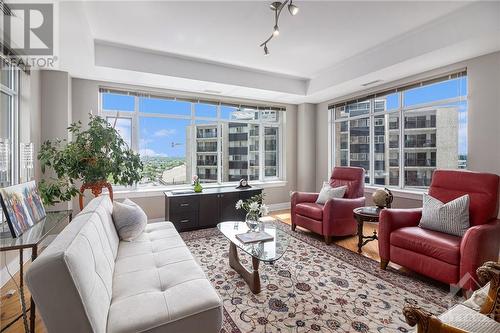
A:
[277,7]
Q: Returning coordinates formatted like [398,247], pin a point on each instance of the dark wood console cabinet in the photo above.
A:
[188,210]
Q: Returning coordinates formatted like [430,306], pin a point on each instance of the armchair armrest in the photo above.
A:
[338,218]
[298,197]
[426,322]
[490,272]
[393,219]
[480,243]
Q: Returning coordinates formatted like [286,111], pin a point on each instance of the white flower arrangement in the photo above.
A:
[253,205]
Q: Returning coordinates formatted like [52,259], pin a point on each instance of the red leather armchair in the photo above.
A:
[335,217]
[443,257]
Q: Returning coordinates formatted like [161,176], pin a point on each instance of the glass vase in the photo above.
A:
[252,220]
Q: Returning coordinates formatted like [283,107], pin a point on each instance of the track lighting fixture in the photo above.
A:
[277,7]
[276,30]
[294,10]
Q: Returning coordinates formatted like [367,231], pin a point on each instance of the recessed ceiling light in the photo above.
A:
[210,91]
[370,83]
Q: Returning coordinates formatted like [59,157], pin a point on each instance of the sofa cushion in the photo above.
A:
[130,220]
[451,217]
[159,287]
[310,209]
[434,244]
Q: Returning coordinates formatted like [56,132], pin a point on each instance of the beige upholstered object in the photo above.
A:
[89,281]
[328,192]
[130,220]
[451,217]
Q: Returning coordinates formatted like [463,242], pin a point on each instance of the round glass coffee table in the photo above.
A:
[266,251]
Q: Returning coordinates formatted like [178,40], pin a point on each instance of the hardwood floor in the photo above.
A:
[10,307]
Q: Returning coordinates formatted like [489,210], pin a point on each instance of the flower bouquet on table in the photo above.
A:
[197,185]
[255,210]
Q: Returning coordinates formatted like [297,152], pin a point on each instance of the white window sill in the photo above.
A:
[157,191]
[399,193]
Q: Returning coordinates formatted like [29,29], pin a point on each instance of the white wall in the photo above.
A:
[56,113]
[483,118]
[85,98]
[306,148]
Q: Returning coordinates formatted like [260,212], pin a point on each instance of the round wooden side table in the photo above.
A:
[362,215]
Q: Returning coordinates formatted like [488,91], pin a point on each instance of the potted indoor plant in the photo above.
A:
[196,184]
[255,210]
[95,156]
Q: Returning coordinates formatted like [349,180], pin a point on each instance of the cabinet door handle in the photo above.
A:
[184,204]
[184,221]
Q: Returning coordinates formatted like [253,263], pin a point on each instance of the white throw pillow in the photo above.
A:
[451,218]
[327,192]
[130,220]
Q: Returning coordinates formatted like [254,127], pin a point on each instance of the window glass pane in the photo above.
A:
[341,112]
[207,138]
[386,149]
[359,145]
[358,108]
[239,114]
[341,143]
[435,92]
[240,151]
[124,128]
[162,145]
[164,106]
[271,143]
[5,140]
[6,74]
[386,103]
[205,110]
[117,102]
[270,115]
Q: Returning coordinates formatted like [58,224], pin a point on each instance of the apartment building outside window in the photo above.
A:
[178,138]
[402,135]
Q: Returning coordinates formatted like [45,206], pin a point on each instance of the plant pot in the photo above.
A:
[96,188]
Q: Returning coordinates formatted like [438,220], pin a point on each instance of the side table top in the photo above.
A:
[368,212]
[37,233]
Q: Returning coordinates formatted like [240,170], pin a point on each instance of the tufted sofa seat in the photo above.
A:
[89,281]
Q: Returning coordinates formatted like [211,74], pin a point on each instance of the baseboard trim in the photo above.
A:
[279,206]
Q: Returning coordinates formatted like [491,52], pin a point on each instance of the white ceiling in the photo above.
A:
[321,35]
[328,50]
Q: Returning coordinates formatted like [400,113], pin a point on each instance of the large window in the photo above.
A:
[8,122]
[401,136]
[178,138]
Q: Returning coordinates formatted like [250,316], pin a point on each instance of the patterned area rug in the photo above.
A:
[313,287]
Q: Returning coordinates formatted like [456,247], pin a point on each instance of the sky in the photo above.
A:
[167,137]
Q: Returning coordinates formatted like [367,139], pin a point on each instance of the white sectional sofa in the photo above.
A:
[88,280]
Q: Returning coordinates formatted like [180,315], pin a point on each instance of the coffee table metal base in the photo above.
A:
[252,278]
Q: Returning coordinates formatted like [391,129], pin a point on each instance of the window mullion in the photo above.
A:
[401,142]
[371,136]
[261,152]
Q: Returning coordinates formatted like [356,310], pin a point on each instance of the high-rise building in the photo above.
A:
[429,142]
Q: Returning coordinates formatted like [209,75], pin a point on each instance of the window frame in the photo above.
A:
[219,121]
[401,111]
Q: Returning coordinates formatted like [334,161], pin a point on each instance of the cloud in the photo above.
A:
[164,132]
[150,153]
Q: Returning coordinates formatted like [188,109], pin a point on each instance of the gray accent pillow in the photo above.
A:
[327,192]
[130,220]
[451,217]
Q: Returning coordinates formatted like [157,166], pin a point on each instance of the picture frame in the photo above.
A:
[22,207]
